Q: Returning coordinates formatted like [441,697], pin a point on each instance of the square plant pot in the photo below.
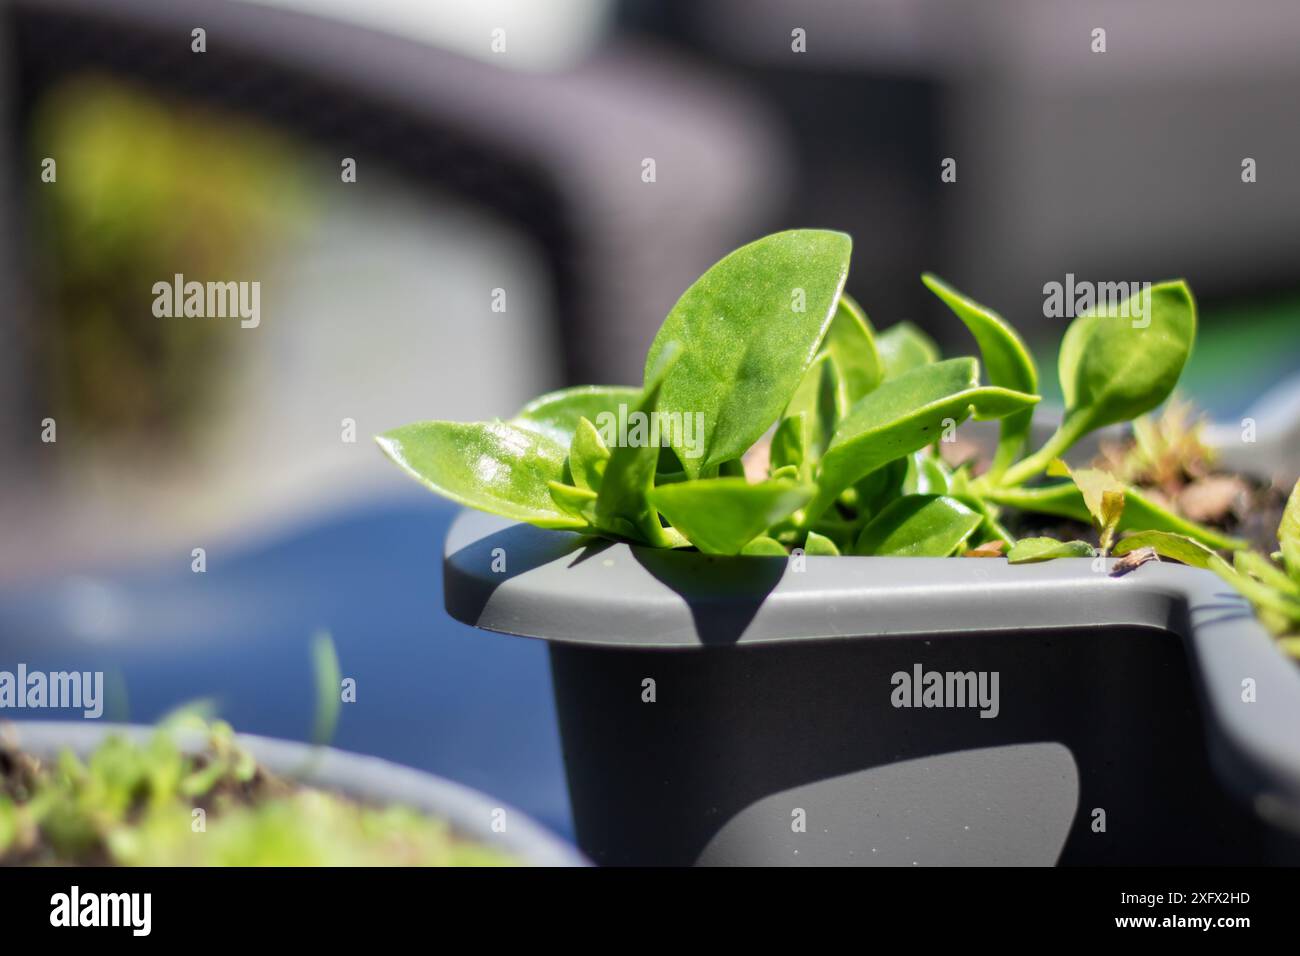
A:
[756,710]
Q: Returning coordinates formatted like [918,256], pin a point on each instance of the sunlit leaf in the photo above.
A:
[556,414]
[903,415]
[750,327]
[722,515]
[493,466]
[1027,550]
[918,526]
[1006,360]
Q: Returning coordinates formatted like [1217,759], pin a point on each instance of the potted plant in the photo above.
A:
[763,649]
[192,793]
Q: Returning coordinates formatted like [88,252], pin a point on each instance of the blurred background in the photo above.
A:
[500,151]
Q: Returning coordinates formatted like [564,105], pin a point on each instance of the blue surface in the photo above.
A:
[431,693]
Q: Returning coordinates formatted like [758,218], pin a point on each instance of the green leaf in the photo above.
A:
[1114,368]
[902,416]
[1177,547]
[851,344]
[1257,565]
[918,526]
[819,399]
[1288,534]
[992,528]
[926,474]
[818,545]
[1006,360]
[581,503]
[1182,548]
[556,414]
[1027,550]
[962,487]
[747,344]
[588,456]
[765,547]
[722,515]
[790,443]
[493,466]
[329,679]
[868,495]
[1140,513]
[1103,496]
[622,501]
[903,347]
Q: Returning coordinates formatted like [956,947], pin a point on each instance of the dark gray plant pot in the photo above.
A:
[1121,696]
[368,779]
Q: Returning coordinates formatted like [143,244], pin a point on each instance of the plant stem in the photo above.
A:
[1064,436]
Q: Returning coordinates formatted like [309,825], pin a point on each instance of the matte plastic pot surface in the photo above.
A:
[362,778]
[1142,719]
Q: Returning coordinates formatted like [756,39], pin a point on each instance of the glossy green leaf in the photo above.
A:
[818,545]
[588,456]
[493,466]
[722,515]
[1288,534]
[903,347]
[902,416]
[630,471]
[916,526]
[1006,361]
[750,327]
[1116,366]
[851,344]
[556,414]
[765,547]
[1140,513]
[926,474]
[1027,550]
